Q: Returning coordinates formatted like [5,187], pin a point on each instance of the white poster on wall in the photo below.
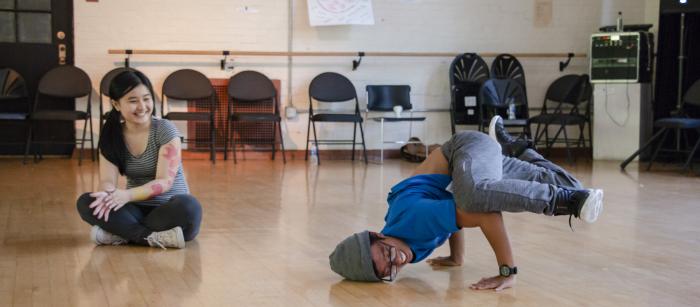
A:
[340,12]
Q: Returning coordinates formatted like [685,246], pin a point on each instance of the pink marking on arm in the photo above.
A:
[156,189]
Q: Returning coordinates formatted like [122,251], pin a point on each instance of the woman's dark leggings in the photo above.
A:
[135,222]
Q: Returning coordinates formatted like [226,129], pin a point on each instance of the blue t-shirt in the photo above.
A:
[421,213]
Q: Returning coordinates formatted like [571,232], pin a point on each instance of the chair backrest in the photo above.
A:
[692,95]
[571,90]
[332,87]
[13,92]
[187,84]
[12,85]
[564,89]
[65,81]
[385,97]
[253,89]
[468,67]
[251,86]
[499,93]
[506,66]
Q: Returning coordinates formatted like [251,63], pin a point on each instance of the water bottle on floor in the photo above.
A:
[314,154]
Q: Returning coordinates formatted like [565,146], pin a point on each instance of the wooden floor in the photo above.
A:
[268,229]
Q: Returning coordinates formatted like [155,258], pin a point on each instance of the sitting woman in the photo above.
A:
[156,208]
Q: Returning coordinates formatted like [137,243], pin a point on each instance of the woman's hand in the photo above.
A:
[100,204]
[497,283]
[445,261]
[117,199]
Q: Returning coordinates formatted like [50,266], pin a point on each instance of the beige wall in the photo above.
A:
[401,25]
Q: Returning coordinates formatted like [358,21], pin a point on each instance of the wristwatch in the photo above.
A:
[506,271]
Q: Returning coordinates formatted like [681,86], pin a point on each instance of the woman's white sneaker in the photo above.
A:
[102,237]
[167,238]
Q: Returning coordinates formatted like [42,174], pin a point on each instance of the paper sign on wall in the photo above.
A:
[340,12]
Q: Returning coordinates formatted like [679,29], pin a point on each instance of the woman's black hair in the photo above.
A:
[111,142]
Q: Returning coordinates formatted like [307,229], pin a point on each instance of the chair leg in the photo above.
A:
[381,140]
[233,143]
[92,143]
[642,149]
[212,134]
[279,130]
[688,163]
[364,147]
[590,135]
[226,136]
[82,144]
[658,148]
[308,130]
[354,133]
[318,151]
[566,143]
[28,142]
[273,142]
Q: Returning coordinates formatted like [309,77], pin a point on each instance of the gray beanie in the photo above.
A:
[352,258]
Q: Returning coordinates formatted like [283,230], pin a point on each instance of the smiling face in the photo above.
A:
[136,106]
[387,252]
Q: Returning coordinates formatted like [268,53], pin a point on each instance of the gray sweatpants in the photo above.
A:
[483,180]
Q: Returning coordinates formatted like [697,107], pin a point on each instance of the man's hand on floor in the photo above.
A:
[497,283]
[445,261]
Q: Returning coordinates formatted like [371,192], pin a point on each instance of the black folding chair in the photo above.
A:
[681,122]
[467,73]
[14,102]
[252,90]
[63,82]
[188,84]
[572,96]
[383,98]
[330,87]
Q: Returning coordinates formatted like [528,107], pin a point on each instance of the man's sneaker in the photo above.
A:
[167,238]
[510,146]
[584,204]
[102,237]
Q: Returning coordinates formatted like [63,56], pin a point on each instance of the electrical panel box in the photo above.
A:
[621,57]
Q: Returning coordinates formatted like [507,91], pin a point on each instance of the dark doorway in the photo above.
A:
[35,36]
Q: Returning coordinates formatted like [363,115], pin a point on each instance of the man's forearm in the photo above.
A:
[495,232]
[457,246]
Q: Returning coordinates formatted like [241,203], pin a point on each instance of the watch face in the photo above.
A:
[505,270]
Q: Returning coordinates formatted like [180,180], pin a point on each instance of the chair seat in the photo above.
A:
[677,122]
[348,118]
[398,119]
[13,116]
[259,117]
[58,115]
[203,116]
[561,119]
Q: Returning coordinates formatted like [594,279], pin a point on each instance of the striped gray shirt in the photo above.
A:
[142,169]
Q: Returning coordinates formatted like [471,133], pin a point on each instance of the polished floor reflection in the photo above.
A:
[268,229]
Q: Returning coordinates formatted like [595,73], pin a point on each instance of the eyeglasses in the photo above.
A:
[393,267]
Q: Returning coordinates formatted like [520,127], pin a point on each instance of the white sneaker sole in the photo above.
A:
[492,127]
[592,207]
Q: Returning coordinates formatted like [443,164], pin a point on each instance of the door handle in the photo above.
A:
[62,54]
